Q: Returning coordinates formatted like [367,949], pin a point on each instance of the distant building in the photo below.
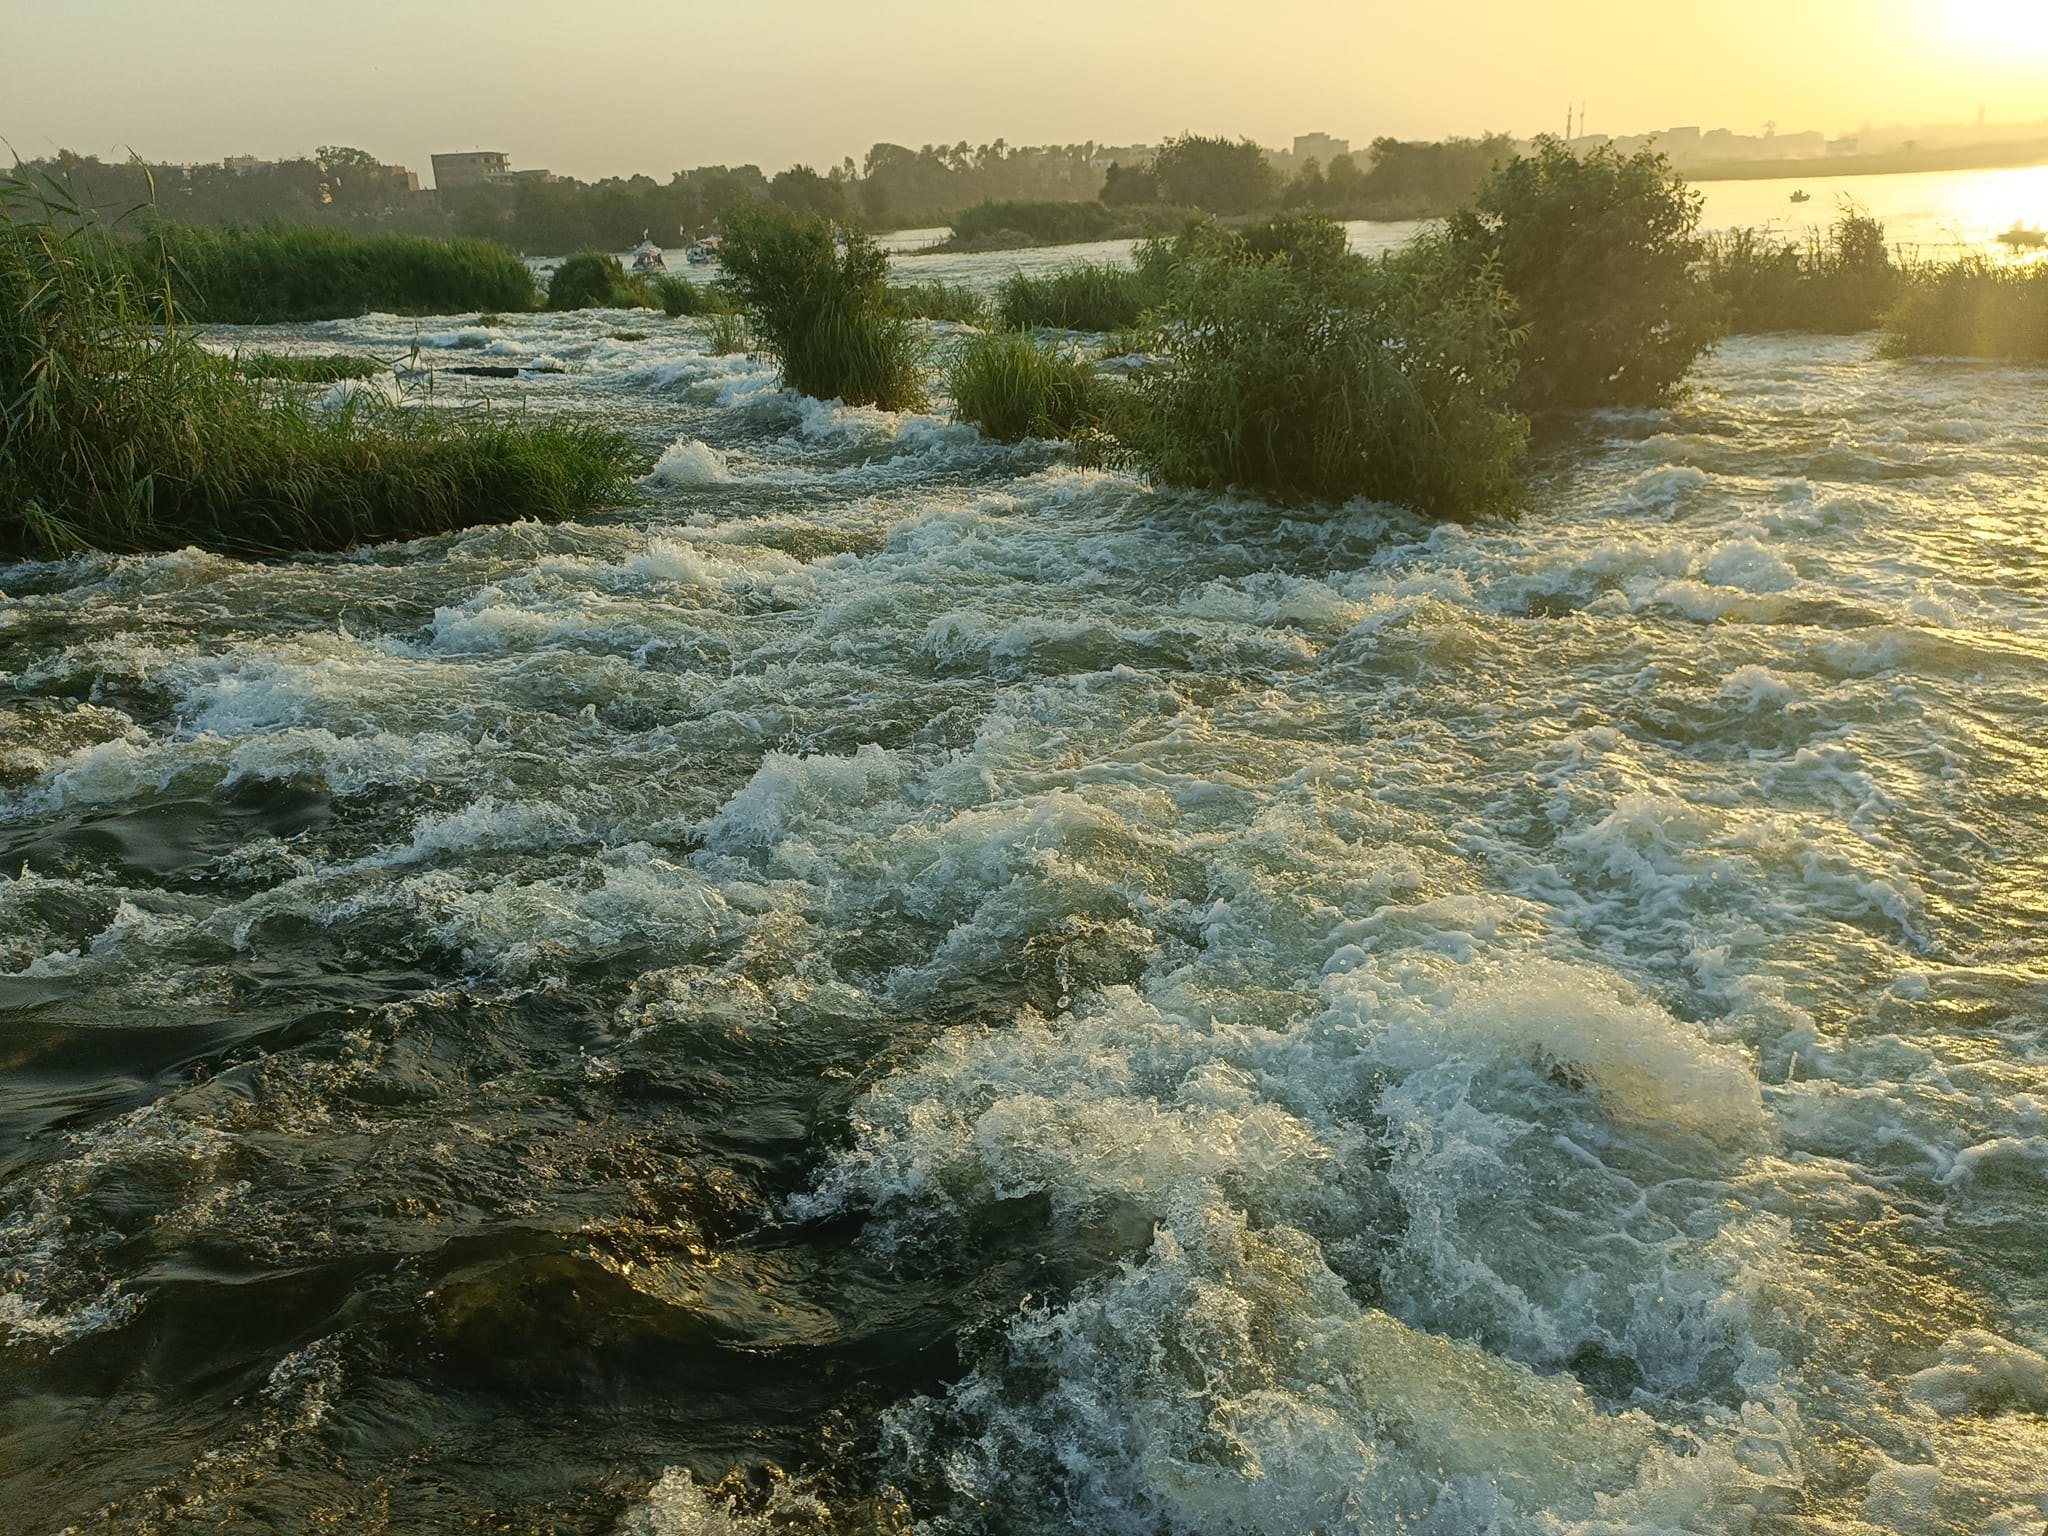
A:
[1680,143]
[1319,147]
[242,165]
[474,168]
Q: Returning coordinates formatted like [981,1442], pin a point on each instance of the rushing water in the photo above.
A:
[1038,1003]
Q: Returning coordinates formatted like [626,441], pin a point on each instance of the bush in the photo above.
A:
[1047,223]
[1974,307]
[593,280]
[1081,297]
[302,368]
[822,308]
[939,301]
[1013,387]
[1012,225]
[1601,254]
[121,432]
[302,272]
[1294,367]
[677,295]
[1840,284]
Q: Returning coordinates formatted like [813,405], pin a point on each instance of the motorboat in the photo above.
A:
[2022,237]
[1802,196]
[703,252]
[647,256]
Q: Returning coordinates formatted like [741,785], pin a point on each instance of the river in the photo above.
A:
[1034,1002]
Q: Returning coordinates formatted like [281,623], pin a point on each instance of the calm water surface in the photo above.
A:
[1036,1003]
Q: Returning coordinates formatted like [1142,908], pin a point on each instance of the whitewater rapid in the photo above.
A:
[1040,1003]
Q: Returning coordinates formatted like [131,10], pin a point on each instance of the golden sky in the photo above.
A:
[621,85]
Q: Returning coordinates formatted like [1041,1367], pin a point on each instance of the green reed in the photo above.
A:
[1012,386]
[121,432]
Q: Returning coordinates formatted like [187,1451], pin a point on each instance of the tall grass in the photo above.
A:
[1972,307]
[305,272]
[1012,387]
[122,433]
[1085,296]
[819,302]
[1295,368]
[677,295]
[1839,283]
[939,301]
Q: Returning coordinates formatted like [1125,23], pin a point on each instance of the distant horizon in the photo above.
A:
[668,86]
[423,165]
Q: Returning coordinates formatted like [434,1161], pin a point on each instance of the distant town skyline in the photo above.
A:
[668,85]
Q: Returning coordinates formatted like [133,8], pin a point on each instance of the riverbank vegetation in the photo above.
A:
[121,432]
[1971,307]
[993,226]
[820,303]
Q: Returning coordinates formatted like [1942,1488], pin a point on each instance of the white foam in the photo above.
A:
[688,462]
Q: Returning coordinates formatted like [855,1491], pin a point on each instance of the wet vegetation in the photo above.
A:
[820,303]
[939,301]
[1972,307]
[1602,256]
[593,280]
[121,432]
[677,295]
[1013,386]
[1839,283]
[304,272]
[307,368]
[1084,296]
[1291,366]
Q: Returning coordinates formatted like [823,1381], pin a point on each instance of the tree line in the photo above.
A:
[891,187]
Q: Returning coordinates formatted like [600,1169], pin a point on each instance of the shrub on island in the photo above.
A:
[818,300]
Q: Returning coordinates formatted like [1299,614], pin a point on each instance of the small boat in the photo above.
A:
[1802,196]
[2023,237]
[647,256]
[703,252]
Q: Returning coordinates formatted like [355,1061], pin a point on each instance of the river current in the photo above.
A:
[1032,1002]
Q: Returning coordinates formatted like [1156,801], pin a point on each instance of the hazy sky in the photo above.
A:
[651,85]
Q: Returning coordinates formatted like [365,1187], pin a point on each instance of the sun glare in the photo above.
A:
[1998,26]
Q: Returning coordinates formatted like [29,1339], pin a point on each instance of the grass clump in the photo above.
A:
[1085,296]
[593,280]
[1012,387]
[121,432]
[821,305]
[305,272]
[939,301]
[1602,255]
[304,368]
[1288,365]
[1839,283]
[677,296]
[1972,307]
